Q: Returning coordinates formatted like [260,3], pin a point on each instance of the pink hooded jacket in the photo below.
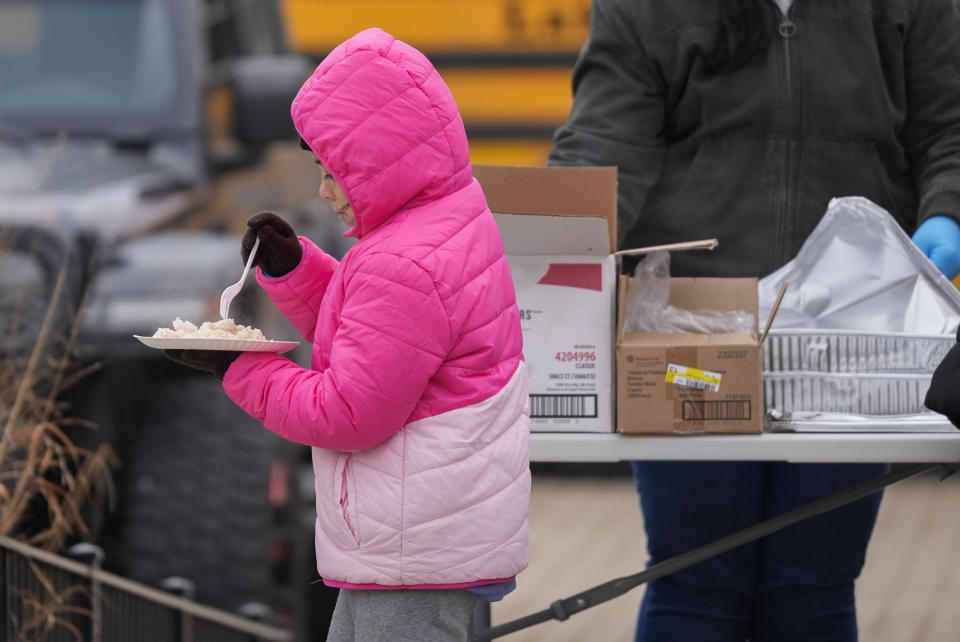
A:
[416,403]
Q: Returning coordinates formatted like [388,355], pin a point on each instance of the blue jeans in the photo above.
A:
[793,585]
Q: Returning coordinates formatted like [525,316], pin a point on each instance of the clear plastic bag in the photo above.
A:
[647,310]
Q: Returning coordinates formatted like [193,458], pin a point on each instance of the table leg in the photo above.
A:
[481,621]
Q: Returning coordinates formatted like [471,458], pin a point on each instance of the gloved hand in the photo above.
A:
[215,362]
[939,238]
[279,250]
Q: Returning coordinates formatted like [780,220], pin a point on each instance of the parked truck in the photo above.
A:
[120,124]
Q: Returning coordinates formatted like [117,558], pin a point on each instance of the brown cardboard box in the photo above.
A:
[559,231]
[692,383]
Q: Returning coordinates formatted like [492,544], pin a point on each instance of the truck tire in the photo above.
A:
[31,260]
[193,492]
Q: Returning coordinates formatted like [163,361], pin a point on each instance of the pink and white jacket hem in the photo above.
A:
[423,587]
[416,400]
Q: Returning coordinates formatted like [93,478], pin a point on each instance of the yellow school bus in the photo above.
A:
[507,62]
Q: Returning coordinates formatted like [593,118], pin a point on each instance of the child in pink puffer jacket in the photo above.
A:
[416,400]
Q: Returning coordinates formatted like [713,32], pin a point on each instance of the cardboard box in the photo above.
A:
[559,230]
[687,382]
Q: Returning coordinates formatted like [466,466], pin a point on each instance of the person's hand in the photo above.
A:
[279,250]
[938,238]
[215,362]
[943,395]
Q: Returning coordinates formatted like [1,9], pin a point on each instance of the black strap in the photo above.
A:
[563,609]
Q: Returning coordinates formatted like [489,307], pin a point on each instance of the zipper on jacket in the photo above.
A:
[787,28]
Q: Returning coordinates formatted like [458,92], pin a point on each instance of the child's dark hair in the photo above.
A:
[304,146]
[747,28]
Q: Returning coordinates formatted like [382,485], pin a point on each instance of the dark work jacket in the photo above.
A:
[854,97]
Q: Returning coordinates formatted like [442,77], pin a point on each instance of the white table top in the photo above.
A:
[824,447]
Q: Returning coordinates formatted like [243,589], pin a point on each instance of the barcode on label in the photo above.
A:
[563,406]
[716,410]
[695,383]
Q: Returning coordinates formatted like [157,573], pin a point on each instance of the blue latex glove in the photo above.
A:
[939,238]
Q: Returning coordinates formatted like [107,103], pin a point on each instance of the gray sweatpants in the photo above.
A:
[402,615]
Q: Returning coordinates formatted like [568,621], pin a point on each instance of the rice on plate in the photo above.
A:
[222,329]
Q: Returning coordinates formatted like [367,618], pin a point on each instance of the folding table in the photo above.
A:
[916,448]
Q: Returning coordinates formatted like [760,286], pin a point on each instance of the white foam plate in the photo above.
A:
[202,343]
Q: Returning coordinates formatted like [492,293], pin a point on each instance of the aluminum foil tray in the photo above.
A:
[852,393]
[838,351]
[865,320]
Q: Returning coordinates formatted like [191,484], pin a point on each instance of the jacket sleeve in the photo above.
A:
[298,293]
[618,111]
[393,335]
[931,133]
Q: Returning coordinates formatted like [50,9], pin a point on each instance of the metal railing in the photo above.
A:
[51,598]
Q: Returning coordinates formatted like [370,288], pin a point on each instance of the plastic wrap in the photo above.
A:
[647,308]
[859,271]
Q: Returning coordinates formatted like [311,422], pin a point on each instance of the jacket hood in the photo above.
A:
[381,120]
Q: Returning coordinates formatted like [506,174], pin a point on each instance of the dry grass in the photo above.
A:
[45,480]
[52,611]
[51,491]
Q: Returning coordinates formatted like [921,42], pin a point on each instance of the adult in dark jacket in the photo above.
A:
[740,120]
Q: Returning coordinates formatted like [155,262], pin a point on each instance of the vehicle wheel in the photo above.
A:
[31,260]
[193,492]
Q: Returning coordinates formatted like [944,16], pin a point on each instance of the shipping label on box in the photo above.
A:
[558,226]
[567,315]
